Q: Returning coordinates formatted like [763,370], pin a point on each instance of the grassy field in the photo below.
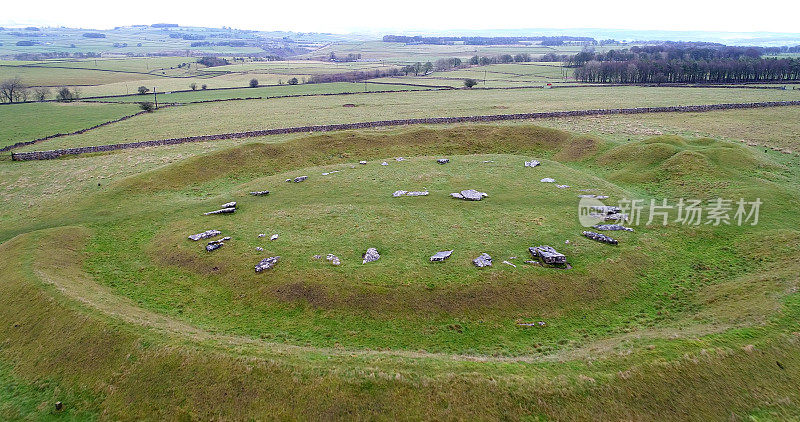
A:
[266,91]
[285,112]
[40,76]
[443,337]
[108,308]
[26,122]
[403,53]
[745,126]
[121,76]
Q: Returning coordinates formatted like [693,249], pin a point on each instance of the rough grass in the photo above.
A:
[269,91]
[284,112]
[773,127]
[180,382]
[659,327]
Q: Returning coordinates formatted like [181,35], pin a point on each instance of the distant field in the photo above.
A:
[120,76]
[292,67]
[267,91]
[26,122]
[399,52]
[42,76]
[127,64]
[775,127]
[274,113]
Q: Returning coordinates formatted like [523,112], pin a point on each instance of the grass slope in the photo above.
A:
[658,327]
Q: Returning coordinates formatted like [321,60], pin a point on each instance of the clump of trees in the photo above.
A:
[417,69]
[253,83]
[469,83]
[348,58]
[143,90]
[93,35]
[41,93]
[13,90]
[64,94]
[147,106]
[193,86]
[293,81]
[682,63]
[503,58]
[447,64]
[54,55]
[213,61]
[354,76]
[688,51]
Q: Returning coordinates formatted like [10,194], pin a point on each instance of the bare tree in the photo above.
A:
[41,93]
[64,94]
[13,90]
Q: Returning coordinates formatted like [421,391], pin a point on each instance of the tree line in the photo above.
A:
[14,90]
[689,71]
[355,76]
[682,62]
[688,51]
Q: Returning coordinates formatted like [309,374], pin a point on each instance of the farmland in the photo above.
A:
[109,309]
[287,112]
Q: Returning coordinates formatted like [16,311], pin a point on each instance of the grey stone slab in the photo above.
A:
[267,263]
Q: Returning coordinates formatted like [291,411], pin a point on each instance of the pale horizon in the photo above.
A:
[413,16]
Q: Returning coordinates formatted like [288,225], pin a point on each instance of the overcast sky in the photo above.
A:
[412,15]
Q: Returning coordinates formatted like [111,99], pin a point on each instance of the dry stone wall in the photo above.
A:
[49,155]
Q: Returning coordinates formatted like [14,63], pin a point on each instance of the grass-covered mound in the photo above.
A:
[437,337]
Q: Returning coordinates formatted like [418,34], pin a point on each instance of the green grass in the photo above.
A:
[631,331]
[267,91]
[41,76]
[774,127]
[26,122]
[285,112]
[107,307]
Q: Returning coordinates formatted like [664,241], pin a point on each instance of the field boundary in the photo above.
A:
[53,154]
[77,132]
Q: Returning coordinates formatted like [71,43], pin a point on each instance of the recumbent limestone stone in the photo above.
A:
[612,227]
[600,237]
[371,255]
[216,244]
[204,235]
[221,211]
[333,259]
[547,255]
[267,263]
[469,195]
[441,256]
[399,193]
[483,260]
